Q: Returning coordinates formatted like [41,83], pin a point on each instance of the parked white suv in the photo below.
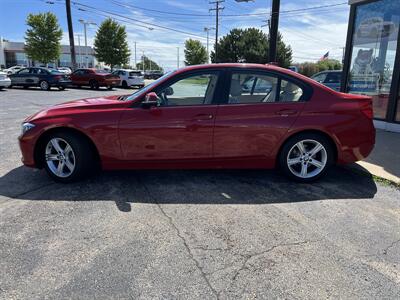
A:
[13,70]
[130,78]
[4,80]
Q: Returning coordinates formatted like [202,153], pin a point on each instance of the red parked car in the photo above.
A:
[94,78]
[208,116]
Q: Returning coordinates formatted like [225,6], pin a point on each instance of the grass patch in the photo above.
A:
[386,182]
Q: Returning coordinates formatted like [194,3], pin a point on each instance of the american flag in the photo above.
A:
[325,56]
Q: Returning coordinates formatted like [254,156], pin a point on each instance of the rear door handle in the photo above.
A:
[203,117]
[286,112]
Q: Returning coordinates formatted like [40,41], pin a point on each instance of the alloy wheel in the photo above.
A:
[44,85]
[307,158]
[60,157]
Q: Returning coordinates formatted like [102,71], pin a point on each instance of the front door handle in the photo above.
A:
[203,117]
[286,112]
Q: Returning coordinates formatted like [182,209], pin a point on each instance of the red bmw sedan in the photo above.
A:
[208,116]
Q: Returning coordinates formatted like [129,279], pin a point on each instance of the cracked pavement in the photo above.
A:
[189,234]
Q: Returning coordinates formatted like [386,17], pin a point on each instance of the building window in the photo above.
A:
[375,35]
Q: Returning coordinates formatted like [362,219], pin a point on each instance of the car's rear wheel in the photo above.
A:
[67,157]
[44,85]
[306,157]
[124,84]
[94,85]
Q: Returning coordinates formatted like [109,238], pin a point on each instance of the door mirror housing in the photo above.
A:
[150,100]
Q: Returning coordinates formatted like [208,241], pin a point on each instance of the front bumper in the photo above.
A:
[27,147]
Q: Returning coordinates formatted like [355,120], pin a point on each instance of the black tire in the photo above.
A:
[110,87]
[26,87]
[78,86]
[308,139]
[10,87]
[44,85]
[124,84]
[84,157]
[94,85]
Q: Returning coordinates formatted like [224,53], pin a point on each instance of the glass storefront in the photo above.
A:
[374,43]
[398,107]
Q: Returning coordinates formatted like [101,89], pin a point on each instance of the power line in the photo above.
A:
[136,20]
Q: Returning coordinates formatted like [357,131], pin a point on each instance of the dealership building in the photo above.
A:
[13,53]
[372,58]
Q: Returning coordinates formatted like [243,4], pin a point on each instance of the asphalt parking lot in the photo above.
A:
[189,234]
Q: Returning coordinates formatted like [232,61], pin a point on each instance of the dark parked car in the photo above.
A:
[94,78]
[153,74]
[329,78]
[41,77]
[202,117]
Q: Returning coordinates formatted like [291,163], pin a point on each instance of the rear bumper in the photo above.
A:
[110,82]
[61,83]
[5,82]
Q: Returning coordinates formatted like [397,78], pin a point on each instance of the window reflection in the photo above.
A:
[374,48]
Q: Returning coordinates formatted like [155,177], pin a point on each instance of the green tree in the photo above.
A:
[250,45]
[195,53]
[148,64]
[111,45]
[42,38]
[311,68]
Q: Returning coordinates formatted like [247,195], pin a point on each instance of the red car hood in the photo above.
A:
[78,105]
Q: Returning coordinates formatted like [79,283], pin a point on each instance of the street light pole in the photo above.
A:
[85,23]
[273,33]
[207,29]
[135,57]
[177,58]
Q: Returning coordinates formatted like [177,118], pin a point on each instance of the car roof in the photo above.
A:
[265,67]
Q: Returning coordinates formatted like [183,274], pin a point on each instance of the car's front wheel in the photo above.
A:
[44,85]
[306,157]
[67,157]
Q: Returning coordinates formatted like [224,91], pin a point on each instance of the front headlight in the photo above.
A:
[26,127]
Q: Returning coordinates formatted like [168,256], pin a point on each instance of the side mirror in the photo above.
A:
[150,100]
[169,91]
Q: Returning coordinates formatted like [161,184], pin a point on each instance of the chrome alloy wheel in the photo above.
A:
[307,158]
[60,157]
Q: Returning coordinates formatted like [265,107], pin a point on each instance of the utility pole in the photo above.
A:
[273,32]
[216,9]
[207,29]
[71,34]
[177,57]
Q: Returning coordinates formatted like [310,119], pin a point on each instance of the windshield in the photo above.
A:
[148,87]
[102,71]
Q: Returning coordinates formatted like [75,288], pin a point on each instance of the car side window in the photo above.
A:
[333,78]
[320,77]
[77,72]
[252,88]
[192,90]
[23,71]
[290,92]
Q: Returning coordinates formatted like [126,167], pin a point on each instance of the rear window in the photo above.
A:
[102,72]
[135,73]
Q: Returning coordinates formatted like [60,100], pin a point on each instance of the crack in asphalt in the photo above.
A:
[179,234]
[385,251]
[250,256]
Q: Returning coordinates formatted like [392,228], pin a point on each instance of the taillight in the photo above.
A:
[58,77]
[366,109]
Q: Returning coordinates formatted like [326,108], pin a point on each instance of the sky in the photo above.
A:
[310,31]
